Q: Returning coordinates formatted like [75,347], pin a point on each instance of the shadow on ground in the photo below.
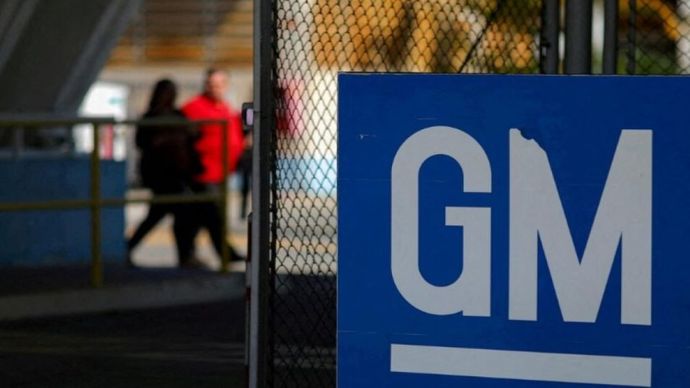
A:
[186,346]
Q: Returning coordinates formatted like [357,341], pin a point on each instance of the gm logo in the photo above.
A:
[500,231]
[537,219]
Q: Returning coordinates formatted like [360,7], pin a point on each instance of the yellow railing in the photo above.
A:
[96,202]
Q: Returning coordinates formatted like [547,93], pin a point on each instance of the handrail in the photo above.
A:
[95,202]
[31,121]
[72,204]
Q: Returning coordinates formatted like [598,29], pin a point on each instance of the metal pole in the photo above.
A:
[578,37]
[632,38]
[259,362]
[610,37]
[96,260]
[224,251]
[550,30]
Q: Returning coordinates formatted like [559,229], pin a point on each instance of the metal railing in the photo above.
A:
[96,201]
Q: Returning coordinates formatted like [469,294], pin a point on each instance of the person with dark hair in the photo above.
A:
[211,105]
[168,161]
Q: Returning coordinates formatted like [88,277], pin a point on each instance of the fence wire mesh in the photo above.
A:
[657,35]
[314,41]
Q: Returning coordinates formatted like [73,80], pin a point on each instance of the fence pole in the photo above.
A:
[610,65]
[550,30]
[259,367]
[632,37]
[96,260]
[578,37]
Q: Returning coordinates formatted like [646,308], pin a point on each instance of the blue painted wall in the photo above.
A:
[57,237]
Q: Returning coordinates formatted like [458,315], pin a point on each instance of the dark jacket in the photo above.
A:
[168,158]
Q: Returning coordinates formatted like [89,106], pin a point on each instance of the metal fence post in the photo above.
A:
[259,368]
[578,37]
[610,37]
[632,37]
[550,30]
[96,260]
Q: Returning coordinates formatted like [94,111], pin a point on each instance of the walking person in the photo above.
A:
[211,105]
[168,162]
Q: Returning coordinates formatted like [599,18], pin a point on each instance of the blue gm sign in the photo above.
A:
[513,231]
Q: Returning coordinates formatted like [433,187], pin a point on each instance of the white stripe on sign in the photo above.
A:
[531,366]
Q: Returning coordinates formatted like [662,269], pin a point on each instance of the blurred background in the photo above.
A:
[101,59]
[64,59]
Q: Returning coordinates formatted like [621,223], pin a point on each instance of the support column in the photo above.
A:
[610,36]
[259,265]
[578,37]
[551,28]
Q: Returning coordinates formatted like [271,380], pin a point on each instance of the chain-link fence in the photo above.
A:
[314,41]
[657,33]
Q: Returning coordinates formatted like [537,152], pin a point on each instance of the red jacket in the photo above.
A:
[210,136]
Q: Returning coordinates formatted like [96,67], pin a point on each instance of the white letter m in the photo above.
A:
[623,217]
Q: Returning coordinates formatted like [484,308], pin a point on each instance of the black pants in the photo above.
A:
[206,215]
[156,213]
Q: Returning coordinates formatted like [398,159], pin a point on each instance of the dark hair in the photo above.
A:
[163,97]
[211,71]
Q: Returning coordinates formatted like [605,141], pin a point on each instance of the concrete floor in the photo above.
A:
[185,346]
[196,341]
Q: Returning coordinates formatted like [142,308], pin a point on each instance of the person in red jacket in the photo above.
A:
[211,104]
